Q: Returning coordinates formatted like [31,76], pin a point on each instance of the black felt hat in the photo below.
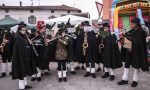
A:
[106,25]
[22,24]
[86,23]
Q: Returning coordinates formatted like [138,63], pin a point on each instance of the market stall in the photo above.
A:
[123,11]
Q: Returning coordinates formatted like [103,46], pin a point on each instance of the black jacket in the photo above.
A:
[139,49]
[22,62]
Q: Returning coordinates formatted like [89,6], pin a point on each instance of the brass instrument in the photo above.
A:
[58,37]
[46,39]
[64,40]
[34,37]
[31,43]
[3,43]
[85,43]
[101,45]
[53,39]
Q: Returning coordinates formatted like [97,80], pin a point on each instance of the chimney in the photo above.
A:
[20,3]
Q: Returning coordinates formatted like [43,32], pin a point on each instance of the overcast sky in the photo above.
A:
[84,5]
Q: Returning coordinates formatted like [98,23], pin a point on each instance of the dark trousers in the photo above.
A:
[128,60]
[87,61]
[62,65]
[6,57]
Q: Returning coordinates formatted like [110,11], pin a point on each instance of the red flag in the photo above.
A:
[99,7]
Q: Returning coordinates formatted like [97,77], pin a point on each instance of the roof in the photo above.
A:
[73,19]
[60,7]
[86,15]
[8,21]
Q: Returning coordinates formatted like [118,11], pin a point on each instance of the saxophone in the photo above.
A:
[85,43]
[3,43]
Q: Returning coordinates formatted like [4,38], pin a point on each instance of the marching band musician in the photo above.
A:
[22,64]
[45,62]
[87,51]
[6,51]
[71,49]
[80,63]
[99,51]
[61,53]
[136,53]
[49,53]
[111,54]
[38,42]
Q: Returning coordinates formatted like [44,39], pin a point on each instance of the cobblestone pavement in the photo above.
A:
[78,82]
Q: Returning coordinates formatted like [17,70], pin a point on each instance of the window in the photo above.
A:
[32,20]
[31,11]
[51,17]
[62,15]
[52,11]
[7,15]
[68,11]
[7,11]
[79,11]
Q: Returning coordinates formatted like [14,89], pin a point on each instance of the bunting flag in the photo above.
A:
[99,8]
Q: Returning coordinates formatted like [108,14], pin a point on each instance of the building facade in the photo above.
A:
[33,14]
[107,5]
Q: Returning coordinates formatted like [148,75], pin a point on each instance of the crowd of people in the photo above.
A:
[31,53]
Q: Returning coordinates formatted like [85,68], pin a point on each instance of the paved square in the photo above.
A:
[78,82]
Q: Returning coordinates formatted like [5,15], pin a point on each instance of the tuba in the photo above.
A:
[85,43]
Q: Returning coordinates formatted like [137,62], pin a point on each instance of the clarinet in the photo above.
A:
[31,43]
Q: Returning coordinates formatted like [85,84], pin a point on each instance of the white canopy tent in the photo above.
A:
[74,20]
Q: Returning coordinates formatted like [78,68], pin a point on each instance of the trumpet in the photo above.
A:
[53,39]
